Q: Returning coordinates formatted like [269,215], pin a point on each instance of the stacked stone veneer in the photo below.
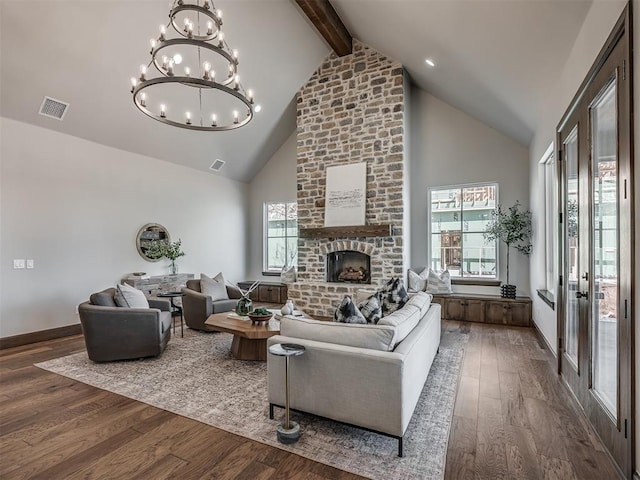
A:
[351,110]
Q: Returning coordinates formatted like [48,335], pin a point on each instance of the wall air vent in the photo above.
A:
[53,108]
[217,165]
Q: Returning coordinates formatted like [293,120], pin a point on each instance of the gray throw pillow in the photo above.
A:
[371,308]
[214,287]
[347,312]
[130,297]
[394,296]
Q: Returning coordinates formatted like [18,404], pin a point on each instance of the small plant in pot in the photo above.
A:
[166,249]
[513,228]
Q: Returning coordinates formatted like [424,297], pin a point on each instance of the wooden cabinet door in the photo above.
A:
[519,313]
[454,309]
[269,294]
[474,310]
[496,312]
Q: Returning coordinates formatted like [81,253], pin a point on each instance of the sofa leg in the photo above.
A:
[400,453]
[271,411]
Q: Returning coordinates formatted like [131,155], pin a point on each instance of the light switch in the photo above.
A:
[30,263]
[18,263]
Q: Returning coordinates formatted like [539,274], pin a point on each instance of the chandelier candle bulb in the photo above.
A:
[143,72]
[163,32]
[188,114]
[219,13]
[250,95]
[235,116]
[170,67]
[187,71]
[177,59]
[134,82]
[235,54]
[209,28]
[214,123]
[163,112]
[164,61]
[212,75]
[143,99]
[221,39]
[153,44]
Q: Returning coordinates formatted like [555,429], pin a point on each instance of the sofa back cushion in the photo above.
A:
[405,319]
[374,337]
[104,298]
[193,285]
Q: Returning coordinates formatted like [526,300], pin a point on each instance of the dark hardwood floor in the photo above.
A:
[513,419]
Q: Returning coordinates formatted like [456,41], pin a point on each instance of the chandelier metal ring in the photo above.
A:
[233,64]
[196,82]
[198,9]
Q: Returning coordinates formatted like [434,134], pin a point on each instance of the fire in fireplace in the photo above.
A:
[348,266]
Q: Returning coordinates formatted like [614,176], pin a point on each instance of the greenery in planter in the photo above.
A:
[166,249]
[512,227]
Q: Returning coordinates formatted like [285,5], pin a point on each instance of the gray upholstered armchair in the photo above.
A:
[117,333]
[197,307]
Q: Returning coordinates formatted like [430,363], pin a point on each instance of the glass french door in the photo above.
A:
[594,319]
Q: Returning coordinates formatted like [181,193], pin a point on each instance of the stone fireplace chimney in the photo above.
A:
[352,110]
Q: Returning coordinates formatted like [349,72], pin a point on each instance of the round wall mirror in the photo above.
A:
[151,232]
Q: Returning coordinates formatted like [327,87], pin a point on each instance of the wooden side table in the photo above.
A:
[288,431]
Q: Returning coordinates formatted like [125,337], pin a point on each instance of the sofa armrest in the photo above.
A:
[196,308]
[162,305]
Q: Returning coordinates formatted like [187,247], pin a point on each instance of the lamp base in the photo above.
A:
[288,435]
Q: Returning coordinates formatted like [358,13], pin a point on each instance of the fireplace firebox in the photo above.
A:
[348,266]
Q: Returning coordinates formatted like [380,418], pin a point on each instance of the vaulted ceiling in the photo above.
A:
[494,60]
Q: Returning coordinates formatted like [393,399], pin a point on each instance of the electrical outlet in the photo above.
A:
[30,263]
[18,263]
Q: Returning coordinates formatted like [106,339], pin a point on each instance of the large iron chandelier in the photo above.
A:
[197,70]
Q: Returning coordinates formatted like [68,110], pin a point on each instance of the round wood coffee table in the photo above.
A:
[249,339]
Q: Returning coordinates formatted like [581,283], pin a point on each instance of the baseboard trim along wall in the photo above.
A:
[41,336]
[543,339]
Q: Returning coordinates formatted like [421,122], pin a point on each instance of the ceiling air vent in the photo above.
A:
[217,165]
[53,108]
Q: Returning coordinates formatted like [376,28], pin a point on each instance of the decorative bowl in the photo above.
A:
[259,318]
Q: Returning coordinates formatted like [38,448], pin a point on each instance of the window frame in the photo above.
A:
[551,232]
[462,279]
[265,237]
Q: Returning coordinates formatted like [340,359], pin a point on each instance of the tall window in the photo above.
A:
[281,235]
[459,216]
[550,177]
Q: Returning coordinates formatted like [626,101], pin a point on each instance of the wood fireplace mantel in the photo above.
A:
[382,230]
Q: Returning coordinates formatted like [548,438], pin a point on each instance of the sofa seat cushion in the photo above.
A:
[404,320]
[374,337]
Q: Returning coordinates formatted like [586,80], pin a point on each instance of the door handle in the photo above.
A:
[584,295]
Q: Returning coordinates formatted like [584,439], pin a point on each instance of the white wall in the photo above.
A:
[75,207]
[598,24]
[276,182]
[449,147]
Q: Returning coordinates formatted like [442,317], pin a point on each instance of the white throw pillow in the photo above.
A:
[418,281]
[213,287]
[129,297]
[439,282]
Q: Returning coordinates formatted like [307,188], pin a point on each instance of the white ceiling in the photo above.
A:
[494,60]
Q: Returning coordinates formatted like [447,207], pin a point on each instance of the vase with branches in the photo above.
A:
[166,249]
[512,227]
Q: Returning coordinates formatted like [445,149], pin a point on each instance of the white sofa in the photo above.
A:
[370,376]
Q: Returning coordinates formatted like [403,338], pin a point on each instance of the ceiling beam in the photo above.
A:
[328,23]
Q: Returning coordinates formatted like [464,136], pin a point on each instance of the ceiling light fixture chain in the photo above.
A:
[215,50]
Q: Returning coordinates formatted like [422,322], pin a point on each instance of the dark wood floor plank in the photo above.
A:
[85,433]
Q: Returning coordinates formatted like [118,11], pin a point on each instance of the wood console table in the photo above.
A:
[485,309]
[267,292]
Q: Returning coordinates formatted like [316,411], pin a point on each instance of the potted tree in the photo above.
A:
[513,228]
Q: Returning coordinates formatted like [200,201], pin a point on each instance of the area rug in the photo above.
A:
[196,377]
